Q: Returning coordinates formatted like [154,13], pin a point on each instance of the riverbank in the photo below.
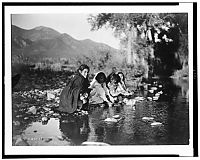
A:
[161,109]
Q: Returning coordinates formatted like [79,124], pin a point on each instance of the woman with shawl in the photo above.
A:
[75,94]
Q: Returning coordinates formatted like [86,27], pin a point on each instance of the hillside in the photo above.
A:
[46,42]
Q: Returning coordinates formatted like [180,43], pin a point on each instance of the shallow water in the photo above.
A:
[171,111]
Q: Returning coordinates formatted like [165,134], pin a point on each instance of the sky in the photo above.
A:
[74,24]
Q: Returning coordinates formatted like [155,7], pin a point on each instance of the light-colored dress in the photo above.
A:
[117,89]
[99,93]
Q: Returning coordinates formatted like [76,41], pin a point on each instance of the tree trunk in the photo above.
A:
[134,44]
[146,67]
[129,54]
[131,49]
[184,63]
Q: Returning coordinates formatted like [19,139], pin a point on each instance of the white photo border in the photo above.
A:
[181,150]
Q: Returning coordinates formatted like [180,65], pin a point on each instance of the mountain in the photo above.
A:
[47,42]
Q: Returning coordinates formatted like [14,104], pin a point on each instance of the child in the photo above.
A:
[114,70]
[100,93]
[75,95]
[115,88]
[122,80]
[112,84]
[122,86]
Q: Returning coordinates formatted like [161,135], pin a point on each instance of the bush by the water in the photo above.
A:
[183,73]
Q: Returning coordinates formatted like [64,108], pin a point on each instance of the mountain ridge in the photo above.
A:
[43,41]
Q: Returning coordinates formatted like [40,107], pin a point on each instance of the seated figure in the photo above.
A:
[122,85]
[75,94]
[99,91]
[115,86]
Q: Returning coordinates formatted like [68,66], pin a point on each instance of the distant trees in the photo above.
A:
[98,61]
[148,39]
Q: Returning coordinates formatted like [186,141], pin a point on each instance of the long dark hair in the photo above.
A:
[100,77]
[123,77]
[86,80]
[82,67]
[115,77]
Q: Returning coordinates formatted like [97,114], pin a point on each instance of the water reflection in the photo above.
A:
[177,109]
[171,110]
[75,128]
[184,85]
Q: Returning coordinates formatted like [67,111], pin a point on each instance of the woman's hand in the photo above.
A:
[110,98]
[81,97]
[110,104]
[84,101]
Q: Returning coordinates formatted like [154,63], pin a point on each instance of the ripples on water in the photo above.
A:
[171,111]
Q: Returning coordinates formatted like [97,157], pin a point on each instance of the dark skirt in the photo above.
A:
[70,95]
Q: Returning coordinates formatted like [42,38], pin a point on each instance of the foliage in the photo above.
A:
[119,21]
[122,22]
[141,47]
[182,51]
[183,73]
[103,60]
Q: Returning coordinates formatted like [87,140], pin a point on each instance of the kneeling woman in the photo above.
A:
[99,93]
[75,95]
[115,88]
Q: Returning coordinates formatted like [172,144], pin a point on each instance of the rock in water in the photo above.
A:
[150,98]
[51,112]
[61,138]
[44,119]
[16,123]
[50,96]
[139,98]
[154,88]
[95,144]
[46,108]
[47,139]
[155,98]
[151,90]
[161,92]
[84,112]
[21,142]
[111,120]
[130,102]
[147,118]
[32,110]
[156,124]
[116,116]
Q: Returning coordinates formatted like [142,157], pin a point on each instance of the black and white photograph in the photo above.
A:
[98,79]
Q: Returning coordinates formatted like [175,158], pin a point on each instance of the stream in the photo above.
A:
[150,121]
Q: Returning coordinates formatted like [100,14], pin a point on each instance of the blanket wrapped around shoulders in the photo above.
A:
[69,98]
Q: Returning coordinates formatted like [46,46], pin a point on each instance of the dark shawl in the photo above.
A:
[69,97]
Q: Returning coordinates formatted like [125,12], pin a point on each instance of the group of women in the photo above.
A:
[79,92]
